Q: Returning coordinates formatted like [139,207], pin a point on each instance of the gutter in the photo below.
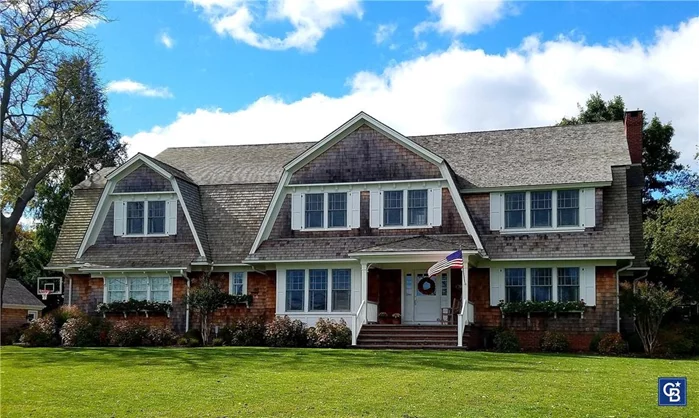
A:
[618,310]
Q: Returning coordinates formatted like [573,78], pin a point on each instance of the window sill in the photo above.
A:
[339,228]
[406,227]
[145,235]
[541,230]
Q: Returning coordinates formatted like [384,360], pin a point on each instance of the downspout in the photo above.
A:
[186,312]
[70,287]
[618,310]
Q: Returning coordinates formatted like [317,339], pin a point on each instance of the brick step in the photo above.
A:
[369,328]
[409,347]
[415,341]
[404,336]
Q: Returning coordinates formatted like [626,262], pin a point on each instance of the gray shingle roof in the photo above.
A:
[533,156]
[192,199]
[80,212]
[97,180]
[141,255]
[425,243]
[16,294]
[234,164]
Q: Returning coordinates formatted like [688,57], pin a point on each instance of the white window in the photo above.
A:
[543,284]
[136,218]
[342,286]
[542,210]
[156,217]
[317,290]
[155,289]
[295,290]
[324,210]
[515,210]
[393,208]
[238,283]
[515,285]
[315,210]
[32,315]
[337,210]
[568,208]
[417,207]
[409,208]
[568,284]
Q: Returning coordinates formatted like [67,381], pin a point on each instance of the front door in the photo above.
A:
[426,299]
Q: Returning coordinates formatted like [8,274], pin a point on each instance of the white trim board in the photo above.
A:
[562,186]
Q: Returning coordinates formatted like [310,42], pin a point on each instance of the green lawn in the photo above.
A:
[217,382]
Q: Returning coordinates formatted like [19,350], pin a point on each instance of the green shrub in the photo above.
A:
[249,332]
[613,344]
[329,334]
[159,336]
[40,333]
[554,342]
[506,341]
[217,342]
[284,332]
[78,332]
[127,334]
[13,335]
[193,342]
[182,341]
[193,334]
[594,342]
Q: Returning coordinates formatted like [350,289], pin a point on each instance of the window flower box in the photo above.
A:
[233,300]
[548,307]
[137,306]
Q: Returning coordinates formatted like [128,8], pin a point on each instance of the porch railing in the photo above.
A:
[372,312]
[465,317]
[357,321]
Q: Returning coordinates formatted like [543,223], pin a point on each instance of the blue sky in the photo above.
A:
[223,79]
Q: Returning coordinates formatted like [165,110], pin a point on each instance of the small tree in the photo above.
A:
[648,303]
[205,300]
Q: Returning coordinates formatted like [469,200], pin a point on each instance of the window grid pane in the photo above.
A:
[541,209]
[318,290]
[417,207]
[238,278]
[542,284]
[337,210]
[342,282]
[314,210]
[156,217]
[116,289]
[138,288]
[568,284]
[134,217]
[515,285]
[294,289]
[160,289]
[568,207]
[515,210]
[393,208]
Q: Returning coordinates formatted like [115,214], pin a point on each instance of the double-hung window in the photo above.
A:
[156,217]
[568,284]
[541,209]
[146,217]
[138,288]
[515,210]
[393,208]
[315,203]
[134,217]
[515,285]
[116,289]
[318,290]
[341,293]
[568,208]
[417,207]
[542,284]
[337,210]
[237,286]
[295,289]
[155,289]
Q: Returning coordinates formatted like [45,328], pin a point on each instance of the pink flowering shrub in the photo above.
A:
[329,334]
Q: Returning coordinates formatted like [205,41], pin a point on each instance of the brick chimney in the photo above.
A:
[633,126]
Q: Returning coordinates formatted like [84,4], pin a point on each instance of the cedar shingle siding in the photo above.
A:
[143,179]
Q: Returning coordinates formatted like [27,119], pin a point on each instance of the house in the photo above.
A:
[347,226]
[19,306]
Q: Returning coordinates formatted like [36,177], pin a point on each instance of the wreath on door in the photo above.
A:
[426,286]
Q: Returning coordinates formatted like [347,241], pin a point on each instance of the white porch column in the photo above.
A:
[360,317]
[365,284]
[464,287]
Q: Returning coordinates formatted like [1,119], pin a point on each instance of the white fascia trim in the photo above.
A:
[460,206]
[357,120]
[176,187]
[408,253]
[561,186]
[561,259]
[272,212]
[364,183]
[318,260]
[132,269]
[28,307]
[99,213]
[136,158]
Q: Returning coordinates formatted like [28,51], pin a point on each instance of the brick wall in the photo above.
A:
[600,318]
[633,126]
[143,179]
[365,155]
[12,318]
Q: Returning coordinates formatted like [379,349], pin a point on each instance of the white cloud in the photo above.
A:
[128,86]
[310,20]
[459,17]
[166,40]
[84,22]
[463,89]
[384,32]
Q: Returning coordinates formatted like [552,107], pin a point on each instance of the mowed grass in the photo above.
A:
[231,382]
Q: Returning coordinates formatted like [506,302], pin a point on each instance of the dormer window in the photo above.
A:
[156,217]
[326,210]
[314,210]
[135,217]
[542,210]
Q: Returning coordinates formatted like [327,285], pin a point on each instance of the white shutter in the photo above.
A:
[587,286]
[587,196]
[353,207]
[497,286]
[495,211]
[375,208]
[171,212]
[435,208]
[296,211]
[119,213]
[281,290]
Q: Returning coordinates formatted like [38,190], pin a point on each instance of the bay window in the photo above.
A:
[318,290]
[155,289]
[543,283]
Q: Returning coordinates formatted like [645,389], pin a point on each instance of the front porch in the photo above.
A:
[391,336]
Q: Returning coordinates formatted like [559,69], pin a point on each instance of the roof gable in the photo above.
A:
[16,294]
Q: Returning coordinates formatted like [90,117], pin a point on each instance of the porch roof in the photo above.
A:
[345,247]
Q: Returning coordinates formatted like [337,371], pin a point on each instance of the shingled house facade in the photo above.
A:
[346,228]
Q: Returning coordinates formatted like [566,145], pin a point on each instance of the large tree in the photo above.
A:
[662,172]
[35,36]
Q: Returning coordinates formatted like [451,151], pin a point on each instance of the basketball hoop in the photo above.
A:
[44,293]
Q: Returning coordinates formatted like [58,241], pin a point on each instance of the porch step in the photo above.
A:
[409,336]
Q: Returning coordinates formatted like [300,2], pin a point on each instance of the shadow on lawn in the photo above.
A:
[278,359]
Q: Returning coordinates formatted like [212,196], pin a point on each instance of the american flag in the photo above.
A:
[454,260]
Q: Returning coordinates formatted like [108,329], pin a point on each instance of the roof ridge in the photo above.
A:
[528,128]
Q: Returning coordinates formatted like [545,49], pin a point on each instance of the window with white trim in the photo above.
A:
[515,285]
[337,210]
[568,284]
[393,208]
[542,284]
[325,210]
[417,207]
[155,289]
[32,315]
[238,283]
[317,290]
[541,209]
[405,208]
[140,214]
[341,293]
[515,210]
[315,212]
[295,290]
[568,207]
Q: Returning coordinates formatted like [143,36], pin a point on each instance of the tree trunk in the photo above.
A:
[205,328]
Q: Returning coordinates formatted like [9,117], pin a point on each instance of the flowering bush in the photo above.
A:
[612,344]
[284,332]
[127,334]
[329,334]
[248,332]
[78,332]
[40,333]
[555,342]
[64,313]
[159,336]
